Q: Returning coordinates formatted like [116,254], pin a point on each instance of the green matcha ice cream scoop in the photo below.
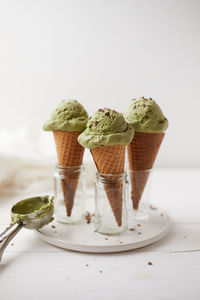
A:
[145,115]
[106,127]
[31,213]
[69,115]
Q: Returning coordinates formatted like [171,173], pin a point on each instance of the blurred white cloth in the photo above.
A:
[27,143]
[28,156]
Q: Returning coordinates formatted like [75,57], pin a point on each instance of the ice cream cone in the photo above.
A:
[70,154]
[67,121]
[110,160]
[142,152]
[106,135]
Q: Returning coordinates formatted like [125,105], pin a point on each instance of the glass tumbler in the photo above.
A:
[140,186]
[111,193]
[69,188]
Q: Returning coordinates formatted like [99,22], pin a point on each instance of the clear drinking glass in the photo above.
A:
[69,188]
[111,192]
[139,194]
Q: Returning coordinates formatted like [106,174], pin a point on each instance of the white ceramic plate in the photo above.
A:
[83,237]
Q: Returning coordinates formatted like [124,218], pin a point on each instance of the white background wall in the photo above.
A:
[103,53]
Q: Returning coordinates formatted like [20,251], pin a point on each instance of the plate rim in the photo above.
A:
[106,249]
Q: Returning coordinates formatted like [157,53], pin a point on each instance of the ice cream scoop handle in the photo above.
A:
[7,235]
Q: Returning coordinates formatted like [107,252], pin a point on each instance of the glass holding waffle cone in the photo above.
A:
[142,152]
[139,194]
[69,187]
[111,191]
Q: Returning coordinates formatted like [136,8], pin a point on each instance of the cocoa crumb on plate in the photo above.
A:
[152,207]
[88,217]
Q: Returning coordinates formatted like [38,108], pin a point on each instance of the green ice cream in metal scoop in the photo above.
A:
[31,213]
[145,115]
[106,127]
[69,115]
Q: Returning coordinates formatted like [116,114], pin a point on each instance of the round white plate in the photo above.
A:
[83,237]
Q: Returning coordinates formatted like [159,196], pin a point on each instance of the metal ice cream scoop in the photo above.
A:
[31,213]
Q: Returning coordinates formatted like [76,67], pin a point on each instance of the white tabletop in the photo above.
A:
[32,269]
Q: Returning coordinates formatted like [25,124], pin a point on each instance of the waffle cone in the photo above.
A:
[110,160]
[142,152]
[70,154]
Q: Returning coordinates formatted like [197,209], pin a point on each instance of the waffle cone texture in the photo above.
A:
[69,154]
[110,160]
[142,152]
